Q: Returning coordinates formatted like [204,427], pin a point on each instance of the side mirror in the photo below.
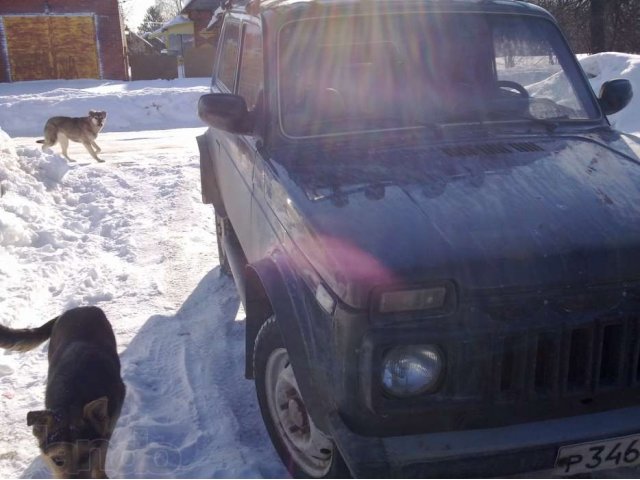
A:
[615,95]
[225,111]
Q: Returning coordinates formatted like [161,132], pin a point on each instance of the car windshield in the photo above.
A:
[366,72]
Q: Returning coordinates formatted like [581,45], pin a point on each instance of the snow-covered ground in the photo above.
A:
[132,236]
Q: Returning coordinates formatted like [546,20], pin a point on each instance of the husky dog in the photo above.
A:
[84,393]
[83,130]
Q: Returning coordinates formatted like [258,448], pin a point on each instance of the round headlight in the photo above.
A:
[411,370]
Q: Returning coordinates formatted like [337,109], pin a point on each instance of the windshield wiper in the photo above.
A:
[393,121]
[435,127]
[550,124]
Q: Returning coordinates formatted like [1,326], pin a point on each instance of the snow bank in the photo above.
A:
[26,175]
[138,105]
[600,68]
[132,236]
[607,66]
[6,144]
[31,224]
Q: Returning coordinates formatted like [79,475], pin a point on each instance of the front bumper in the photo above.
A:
[490,452]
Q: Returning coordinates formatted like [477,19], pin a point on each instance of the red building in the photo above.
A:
[61,39]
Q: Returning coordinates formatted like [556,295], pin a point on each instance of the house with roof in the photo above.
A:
[176,34]
[202,14]
[62,39]
[136,44]
[198,61]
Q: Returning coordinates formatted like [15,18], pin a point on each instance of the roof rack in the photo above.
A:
[253,6]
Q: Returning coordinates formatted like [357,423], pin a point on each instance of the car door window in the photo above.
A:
[251,80]
[228,63]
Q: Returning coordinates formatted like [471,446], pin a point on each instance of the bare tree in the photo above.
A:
[623,25]
[597,24]
[169,8]
[611,24]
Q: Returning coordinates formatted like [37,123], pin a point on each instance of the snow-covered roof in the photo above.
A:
[177,20]
[174,22]
[134,36]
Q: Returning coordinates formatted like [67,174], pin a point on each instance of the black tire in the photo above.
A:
[222,226]
[271,362]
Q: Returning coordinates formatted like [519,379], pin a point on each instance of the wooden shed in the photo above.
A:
[61,39]
[200,12]
[199,60]
[176,34]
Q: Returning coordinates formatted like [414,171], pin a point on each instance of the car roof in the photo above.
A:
[304,8]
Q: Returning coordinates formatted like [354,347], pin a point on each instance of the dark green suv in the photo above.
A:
[435,233]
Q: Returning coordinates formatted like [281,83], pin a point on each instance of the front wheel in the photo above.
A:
[305,450]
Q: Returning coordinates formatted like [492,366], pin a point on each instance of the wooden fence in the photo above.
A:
[153,66]
[198,62]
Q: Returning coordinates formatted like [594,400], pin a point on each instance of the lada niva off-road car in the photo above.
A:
[435,233]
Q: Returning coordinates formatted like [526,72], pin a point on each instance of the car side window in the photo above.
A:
[228,63]
[251,80]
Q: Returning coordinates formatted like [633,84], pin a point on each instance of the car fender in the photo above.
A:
[292,305]
[209,182]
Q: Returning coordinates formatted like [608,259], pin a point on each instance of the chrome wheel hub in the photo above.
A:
[309,447]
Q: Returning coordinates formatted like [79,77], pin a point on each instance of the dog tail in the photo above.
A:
[24,339]
[39,141]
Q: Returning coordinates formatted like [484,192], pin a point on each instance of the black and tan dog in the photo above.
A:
[84,393]
[83,130]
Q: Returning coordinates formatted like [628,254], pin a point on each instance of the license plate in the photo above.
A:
[599,455]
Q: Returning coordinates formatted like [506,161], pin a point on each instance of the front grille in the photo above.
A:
[516,359]
[580,360]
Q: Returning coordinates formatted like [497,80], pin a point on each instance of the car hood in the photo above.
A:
[485,215]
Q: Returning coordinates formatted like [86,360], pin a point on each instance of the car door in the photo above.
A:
[250,86]
[233,165]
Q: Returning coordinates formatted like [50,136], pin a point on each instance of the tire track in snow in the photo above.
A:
[210,427]
[189,412]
